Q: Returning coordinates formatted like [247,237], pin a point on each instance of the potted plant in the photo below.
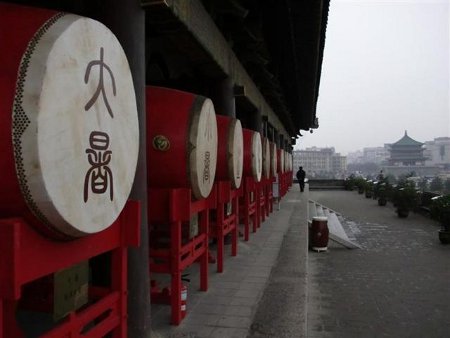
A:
[405,198]
[368,188]
[382,193]
[349,182]
[440,211]
[360,183]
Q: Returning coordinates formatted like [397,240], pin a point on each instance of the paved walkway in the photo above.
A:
[398,285]
[232,301]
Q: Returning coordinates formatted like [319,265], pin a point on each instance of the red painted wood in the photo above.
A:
[248,206]
[280,161]
[319,232]
[170,114]
[15,35]
[225,224]
[173,207]
[27,256]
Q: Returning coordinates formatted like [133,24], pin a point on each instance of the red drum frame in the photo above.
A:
[24,252]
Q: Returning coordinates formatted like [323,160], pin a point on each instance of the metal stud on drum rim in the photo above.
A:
[74,123]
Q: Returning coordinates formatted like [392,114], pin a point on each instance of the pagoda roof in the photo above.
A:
[407,141]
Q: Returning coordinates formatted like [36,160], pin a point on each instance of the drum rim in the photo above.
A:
[235,182]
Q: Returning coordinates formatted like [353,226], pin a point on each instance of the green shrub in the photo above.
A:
[440,209]
[405,195]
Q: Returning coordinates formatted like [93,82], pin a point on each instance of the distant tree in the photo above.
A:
[391,179]
[423,184]
[368,168]
[436,184]
[447,186]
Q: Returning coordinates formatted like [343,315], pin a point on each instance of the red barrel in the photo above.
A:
[319,233]
[69,132]
[252,154]
[273,160]
[181,141]
[230,150]
[265,157]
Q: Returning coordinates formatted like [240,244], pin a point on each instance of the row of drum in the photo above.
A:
[69,137]
[202,147]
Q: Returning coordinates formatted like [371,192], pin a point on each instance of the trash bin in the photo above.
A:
[319,233]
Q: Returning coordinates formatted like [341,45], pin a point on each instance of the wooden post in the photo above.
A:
[222,95]
[126,19]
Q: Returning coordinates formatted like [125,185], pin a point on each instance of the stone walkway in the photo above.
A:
[398,285]
[229,306]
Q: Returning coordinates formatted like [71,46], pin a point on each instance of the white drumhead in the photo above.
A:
[286,161]
[202,147]
[256,156]
[235,153]
[75,126]
[266,157]
[273,159]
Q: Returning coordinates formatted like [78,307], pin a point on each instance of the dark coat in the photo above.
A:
[300,175]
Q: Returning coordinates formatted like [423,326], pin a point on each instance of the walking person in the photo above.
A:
[301,178]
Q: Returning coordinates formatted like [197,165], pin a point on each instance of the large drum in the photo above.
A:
[69,132]
[265,157]
[319,233]
[291,160]
[252,154]
[230,150]
[280,160]
[287,160]
[181,141]
[273,159]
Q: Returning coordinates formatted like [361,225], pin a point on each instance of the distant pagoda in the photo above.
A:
[406,152]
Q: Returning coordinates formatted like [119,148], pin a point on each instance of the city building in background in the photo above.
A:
[377,155]
[437,153]
[406,156]
[321,162]
[406,152]
[355,157]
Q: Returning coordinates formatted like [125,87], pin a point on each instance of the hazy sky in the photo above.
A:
[385,70]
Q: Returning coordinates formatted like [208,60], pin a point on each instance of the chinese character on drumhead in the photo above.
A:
[99,177]
[101,85]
